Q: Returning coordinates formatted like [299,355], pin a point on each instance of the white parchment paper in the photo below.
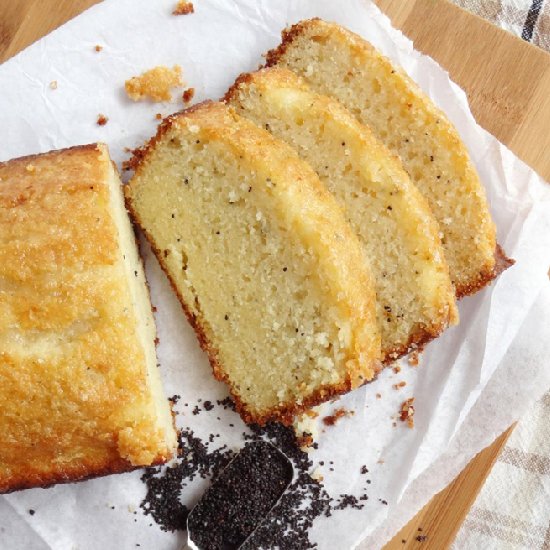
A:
[470,385]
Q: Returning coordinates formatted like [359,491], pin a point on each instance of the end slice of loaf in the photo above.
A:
[80,392]
[336,62]
[269,273]
[415,297]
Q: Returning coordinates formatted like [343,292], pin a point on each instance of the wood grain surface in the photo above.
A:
[507,82]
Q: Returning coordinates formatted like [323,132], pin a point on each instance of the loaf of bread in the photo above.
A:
[415,297]
[336,62]
[80,392]
[269,273]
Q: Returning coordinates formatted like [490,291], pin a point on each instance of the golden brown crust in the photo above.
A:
[75,149]
[423,336]
[80,472]
[140,153]
[233,91]
[71,475]
[418,339]
[71,362]
[288,35]
[502,263]
[285,415]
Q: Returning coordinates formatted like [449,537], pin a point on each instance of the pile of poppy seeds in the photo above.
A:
[288,523]
[240,498]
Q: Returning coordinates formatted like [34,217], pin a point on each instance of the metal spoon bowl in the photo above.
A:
[260,470]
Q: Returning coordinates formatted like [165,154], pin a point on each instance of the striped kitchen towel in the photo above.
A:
[528,19]
[512,511]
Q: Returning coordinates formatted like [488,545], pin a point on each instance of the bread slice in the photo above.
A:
[415,297]
[80,392]
[336,62]
[269,273]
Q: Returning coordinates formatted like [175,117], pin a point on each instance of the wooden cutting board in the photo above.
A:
[508,85]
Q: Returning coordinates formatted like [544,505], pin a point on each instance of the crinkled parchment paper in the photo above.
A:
[470,384]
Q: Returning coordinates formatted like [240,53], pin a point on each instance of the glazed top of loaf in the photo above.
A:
[72,363]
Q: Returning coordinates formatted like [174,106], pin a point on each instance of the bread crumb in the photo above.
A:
[397,369]
[188,95]
[338,413]
[305,441]
[413,358]
[102,120]
[406,412]
[399,385]
[183,8]
[53,84]
[316,475]
[154,84]
[158,116]
[378,396]
[98,48]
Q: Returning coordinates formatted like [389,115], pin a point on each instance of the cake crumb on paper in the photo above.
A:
[98,48]
[184,8]
[305,441]
[406,413]
[338,413]
[188,95]
[317,475]
[53,84]
[399,385]
[154,84]
[102,120]
[414,358]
